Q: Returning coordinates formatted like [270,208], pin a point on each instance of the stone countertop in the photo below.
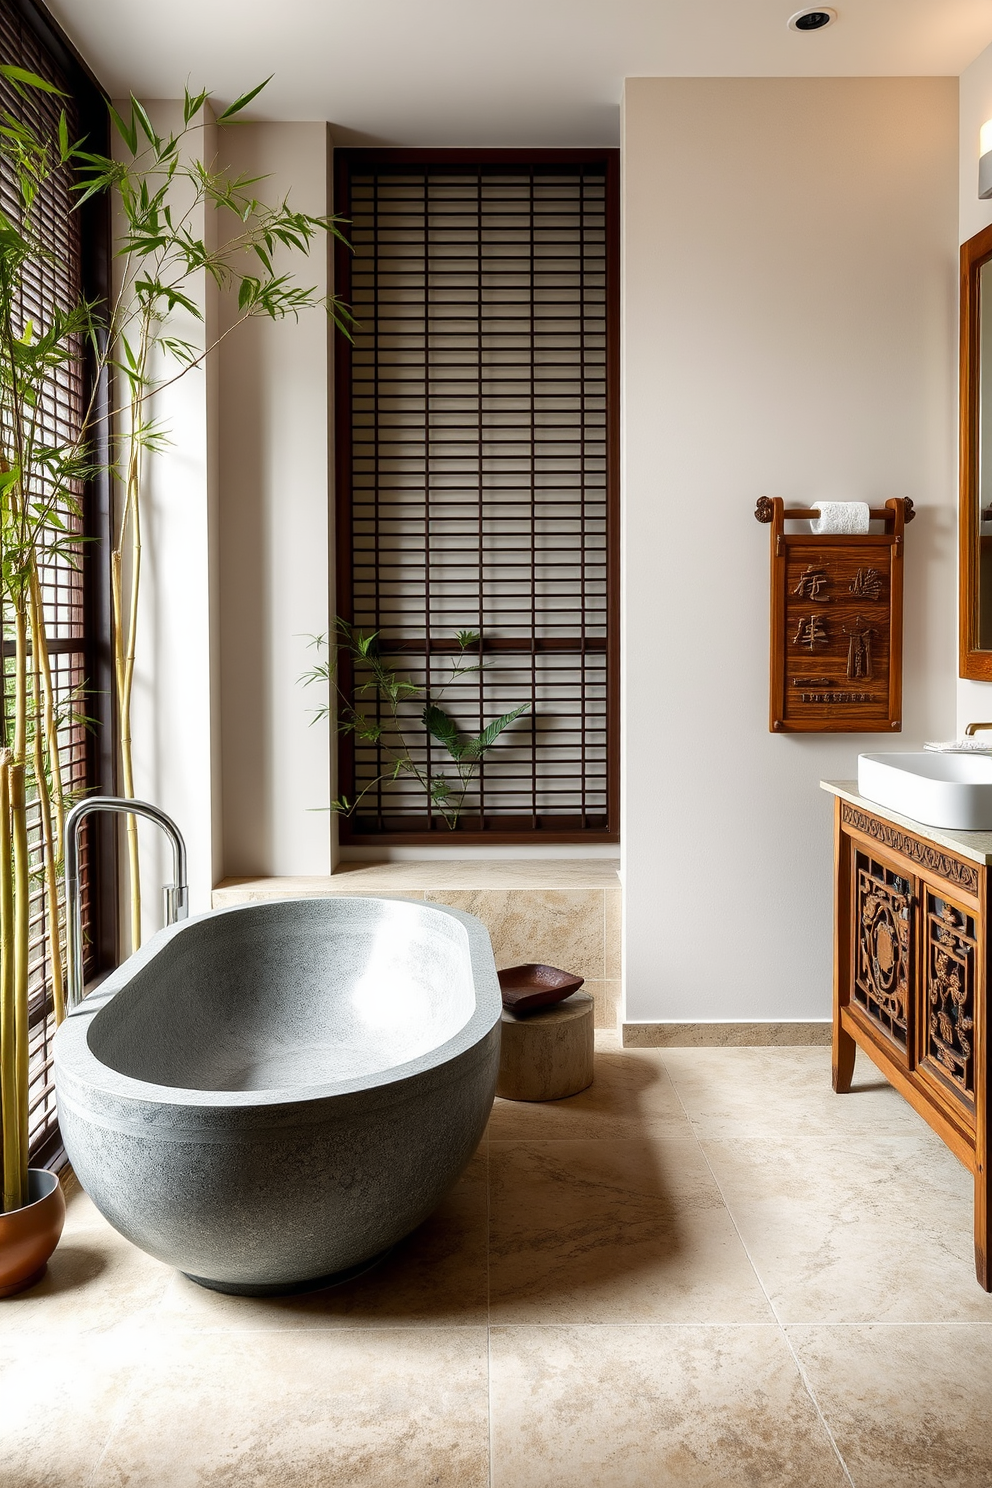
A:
[974,845]
[455,873]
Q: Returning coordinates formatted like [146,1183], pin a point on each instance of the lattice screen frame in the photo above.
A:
[417,657]
[79,638]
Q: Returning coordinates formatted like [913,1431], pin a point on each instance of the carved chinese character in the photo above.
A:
[859,648]
[866,584]
[811,583]
[811,632]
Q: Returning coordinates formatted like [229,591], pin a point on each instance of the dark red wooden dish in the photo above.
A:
[532,986]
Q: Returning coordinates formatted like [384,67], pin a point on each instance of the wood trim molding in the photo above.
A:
[973,663]
[934,859]
[726,1035]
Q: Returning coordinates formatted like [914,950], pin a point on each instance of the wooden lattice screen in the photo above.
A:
[477,476]
[70,590]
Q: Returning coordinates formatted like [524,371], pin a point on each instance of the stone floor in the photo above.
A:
[706,1271]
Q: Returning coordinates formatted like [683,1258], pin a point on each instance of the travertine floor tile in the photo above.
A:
[871,1229]
[439,1274]
[632,1346]
[400,1408]
[780,1092]
[631,1091]
[95,1280]
[908,1406]
[614,1231]
[59,1401]
[654,1408]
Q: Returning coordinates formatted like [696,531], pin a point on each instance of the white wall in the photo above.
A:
[275,499]
[789,321]
[974,698]
[175,722]
[236,565]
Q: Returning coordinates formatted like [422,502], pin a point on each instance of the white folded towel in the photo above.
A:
[973,745]
[841,516]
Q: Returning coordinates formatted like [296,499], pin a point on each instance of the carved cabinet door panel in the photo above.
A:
[884,926]
[948,998]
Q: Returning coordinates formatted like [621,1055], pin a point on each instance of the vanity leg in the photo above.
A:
[845,1048]
[983,1227]
[845,1051]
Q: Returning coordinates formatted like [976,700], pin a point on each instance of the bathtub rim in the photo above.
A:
[76,1061]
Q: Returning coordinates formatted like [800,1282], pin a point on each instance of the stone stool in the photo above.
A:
[547,1054]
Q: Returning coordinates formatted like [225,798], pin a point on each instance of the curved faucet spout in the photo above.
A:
[176,893]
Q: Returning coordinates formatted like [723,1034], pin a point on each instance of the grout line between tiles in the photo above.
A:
[816,1406]
[121,1412]
[807,1386]
[489,1315]
[604,934]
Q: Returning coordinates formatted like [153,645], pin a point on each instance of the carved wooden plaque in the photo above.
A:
[836,627]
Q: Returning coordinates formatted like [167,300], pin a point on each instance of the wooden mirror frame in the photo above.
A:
[973,663]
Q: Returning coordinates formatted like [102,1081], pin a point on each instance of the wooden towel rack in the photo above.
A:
[836,623]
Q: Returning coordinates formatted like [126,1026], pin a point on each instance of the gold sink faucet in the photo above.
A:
[973,728]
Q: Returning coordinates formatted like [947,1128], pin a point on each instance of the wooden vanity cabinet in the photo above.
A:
[910,982]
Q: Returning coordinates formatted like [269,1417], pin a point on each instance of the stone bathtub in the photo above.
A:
[269,1097]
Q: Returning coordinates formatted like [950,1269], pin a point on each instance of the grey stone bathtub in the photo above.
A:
[271,1095]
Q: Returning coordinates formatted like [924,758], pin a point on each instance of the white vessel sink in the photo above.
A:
[940,790]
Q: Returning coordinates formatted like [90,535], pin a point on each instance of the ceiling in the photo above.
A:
[476,72]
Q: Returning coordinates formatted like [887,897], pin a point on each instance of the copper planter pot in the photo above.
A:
[29,1235]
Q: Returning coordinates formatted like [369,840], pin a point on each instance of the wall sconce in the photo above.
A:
[985,161]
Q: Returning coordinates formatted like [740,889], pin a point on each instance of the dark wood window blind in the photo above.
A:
[74,592]
[477,480]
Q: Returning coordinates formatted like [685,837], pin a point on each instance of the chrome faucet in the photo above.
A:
[176,894]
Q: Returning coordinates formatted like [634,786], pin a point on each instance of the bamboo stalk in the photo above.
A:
[22,916]
[125,650]
[12,1163]
[40,644]
[39,648]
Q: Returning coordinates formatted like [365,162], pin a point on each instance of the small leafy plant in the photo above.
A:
[385,723]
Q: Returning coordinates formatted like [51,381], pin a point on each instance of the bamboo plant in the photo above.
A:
[159,187]
[377,711]
[162,188]
[40,483]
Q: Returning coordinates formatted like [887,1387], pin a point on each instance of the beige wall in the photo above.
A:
[789,323]
[274,443]
[236,566]
[175,713]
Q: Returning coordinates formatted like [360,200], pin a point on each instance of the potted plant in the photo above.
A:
[39,485]
[40,490]
[380,708]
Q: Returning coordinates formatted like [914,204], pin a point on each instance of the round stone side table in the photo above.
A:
[547,1054]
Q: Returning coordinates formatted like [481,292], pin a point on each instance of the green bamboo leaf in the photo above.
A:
[29,79]
[477,747]
[127,132]
[138,112]
[441,727]
[248,292]
[243,101]
[192,104]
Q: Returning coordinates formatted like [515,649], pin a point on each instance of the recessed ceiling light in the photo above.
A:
[812,20]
